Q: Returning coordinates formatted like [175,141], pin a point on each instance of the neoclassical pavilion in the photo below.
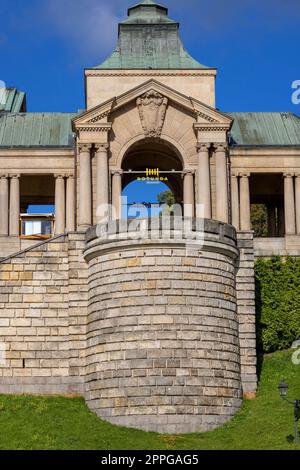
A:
[75,161]
[153,335]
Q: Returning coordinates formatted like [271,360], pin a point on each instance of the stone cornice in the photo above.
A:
[103,127]
[151,73]
[206,117]
[202,127]
[99,117]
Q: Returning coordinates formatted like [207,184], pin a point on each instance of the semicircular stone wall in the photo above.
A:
[162,339]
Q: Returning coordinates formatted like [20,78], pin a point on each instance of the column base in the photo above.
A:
[84,227]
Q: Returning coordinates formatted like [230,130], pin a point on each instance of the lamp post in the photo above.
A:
[283,389]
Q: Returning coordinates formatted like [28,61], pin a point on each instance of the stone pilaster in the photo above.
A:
[289,204]
[297,197]
[102,190]
[221,184]
[4,190]
[60,204]
[245,296]
[116,194]
[235,204]
[204,184]
[85,187]
[188,194]
[14,206]
[245,212]
[70,204]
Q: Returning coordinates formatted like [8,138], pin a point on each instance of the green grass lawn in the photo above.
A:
[28,422]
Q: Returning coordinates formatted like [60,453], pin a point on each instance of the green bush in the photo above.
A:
[277,302]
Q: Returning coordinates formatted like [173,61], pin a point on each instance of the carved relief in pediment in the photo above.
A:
[152,108]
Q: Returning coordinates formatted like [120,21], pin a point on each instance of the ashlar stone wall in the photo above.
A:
[43,299]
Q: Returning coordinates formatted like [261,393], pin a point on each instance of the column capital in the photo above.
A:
[3,176]
[84,147]
[288,175]
[188,171]
[15,176]
[70,176]
[235,175]
[101,147]
[297,175]
[59,175]
[244,175]
[201,146]
[117,172]
[220,147]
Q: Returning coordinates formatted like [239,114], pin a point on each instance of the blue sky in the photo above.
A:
[45,45]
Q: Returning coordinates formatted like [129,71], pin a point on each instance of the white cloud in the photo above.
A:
[88,26]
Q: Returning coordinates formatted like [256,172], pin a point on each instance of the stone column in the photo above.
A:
[60,205]
[116,195]
[4,205]
[85,187]
[245,212]
[102,191]
[297,196]
[70,204]
[188,194]
[289,204]
[235,204]
[221,184]
[204,186]
[14,206]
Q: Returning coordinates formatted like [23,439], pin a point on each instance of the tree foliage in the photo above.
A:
[259,220]
[277,302]
[166,197]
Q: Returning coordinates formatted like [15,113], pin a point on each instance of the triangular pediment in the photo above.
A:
[101,115]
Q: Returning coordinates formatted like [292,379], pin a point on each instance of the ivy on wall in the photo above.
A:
[277,302]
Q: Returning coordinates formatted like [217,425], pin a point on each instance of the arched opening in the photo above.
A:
[152,176]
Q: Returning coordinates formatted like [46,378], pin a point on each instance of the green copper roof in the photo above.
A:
[36,130]
[147,3]
[265,129]
[149,39]
[24,130]
[12,100]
